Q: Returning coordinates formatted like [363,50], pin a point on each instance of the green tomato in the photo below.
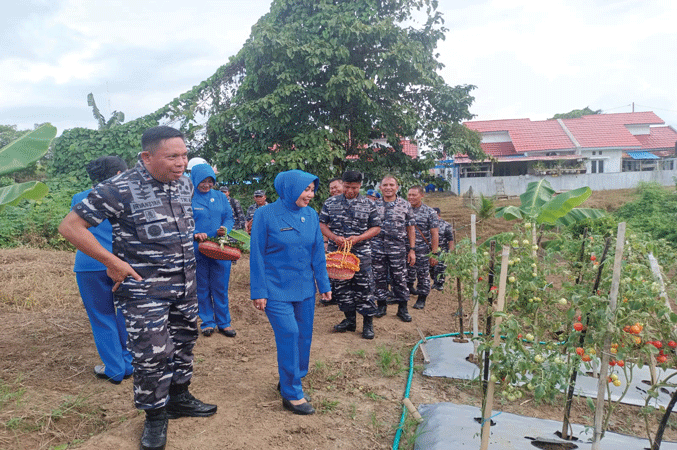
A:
[525,242]
[563,301]
[529,337]
[527,225]
[538,358]
[511,279]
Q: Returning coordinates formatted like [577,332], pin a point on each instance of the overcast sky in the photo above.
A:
[528,59]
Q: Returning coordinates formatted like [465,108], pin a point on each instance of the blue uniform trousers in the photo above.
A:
[292,324]
[108,325]
[212,277]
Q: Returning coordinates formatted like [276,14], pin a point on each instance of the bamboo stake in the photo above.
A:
[487,327]
[500,303]
[613,298]
[475,302]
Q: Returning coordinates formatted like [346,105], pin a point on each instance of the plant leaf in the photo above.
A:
[12,195]
[510,212]
[562,204]
[27,149]
[578,214]
[538,193]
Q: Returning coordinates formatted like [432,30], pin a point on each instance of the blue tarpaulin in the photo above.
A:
[642,155]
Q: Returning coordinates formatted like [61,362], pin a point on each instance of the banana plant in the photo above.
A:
[18,155]
[541,204]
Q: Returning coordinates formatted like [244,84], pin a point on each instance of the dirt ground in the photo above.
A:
[50,399]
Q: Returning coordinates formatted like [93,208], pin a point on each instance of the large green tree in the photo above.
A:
[318,80]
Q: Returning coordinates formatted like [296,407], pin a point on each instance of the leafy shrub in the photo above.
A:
[36,222]
[652,212]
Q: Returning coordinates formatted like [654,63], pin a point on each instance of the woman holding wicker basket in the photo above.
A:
[287,267]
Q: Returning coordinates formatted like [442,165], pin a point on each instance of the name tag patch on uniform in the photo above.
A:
[286,229]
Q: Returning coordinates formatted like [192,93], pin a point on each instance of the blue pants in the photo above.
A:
[292,324]
[212,276]
[108,327]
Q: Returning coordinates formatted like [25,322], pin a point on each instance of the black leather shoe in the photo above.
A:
[100,372]
[154,435]
[304,395]
[185,405]
[228,333]
[208,332]
[438,286]
[402,313]
[345,325]
[303,409]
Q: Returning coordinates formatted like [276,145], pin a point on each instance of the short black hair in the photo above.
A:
[105,167]
[335,179]
[352,176]
[438,210]
[419,188]
[153,136]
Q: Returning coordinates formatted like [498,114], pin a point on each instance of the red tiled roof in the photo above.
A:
[409,148]
[498,148]
[593,131]
[527,136]
[660,138]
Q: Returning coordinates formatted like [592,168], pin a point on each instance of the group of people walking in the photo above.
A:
[137,234]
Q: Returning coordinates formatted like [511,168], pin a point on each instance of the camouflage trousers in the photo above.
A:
[356,294]
[420,271]
[161,336]
[390,267]
[437,272]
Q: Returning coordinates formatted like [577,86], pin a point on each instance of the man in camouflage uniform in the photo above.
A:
[446,245]
[238,215]
[390,251]
[259,201]
[350,217]
[427,241]
[153,266]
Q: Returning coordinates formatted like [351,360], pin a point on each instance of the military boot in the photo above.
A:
[382,308]
[402,312]
[420,302]
[154,435]
[348,324]
[368,328]
[412,291]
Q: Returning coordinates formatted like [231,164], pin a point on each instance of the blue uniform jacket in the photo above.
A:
[287,250]
[211,210]
[102,232]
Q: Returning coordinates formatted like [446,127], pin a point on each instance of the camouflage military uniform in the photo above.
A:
[251,210]
[446,236]
[152,231]
[426,219]
[238,215]
[389,249]
[347,218]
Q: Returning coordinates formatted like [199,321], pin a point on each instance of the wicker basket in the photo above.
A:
[342,265]
[219,251]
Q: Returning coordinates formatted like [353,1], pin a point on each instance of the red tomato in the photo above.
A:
[620,363]
[672,344]
[612,362]
[580,351]
[593,257]
[578,326]
[586,358]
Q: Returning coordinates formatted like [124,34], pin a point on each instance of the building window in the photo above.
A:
[597,166]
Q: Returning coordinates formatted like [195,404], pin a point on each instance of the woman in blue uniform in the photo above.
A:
[108,324]
[213,217]
[287,262]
